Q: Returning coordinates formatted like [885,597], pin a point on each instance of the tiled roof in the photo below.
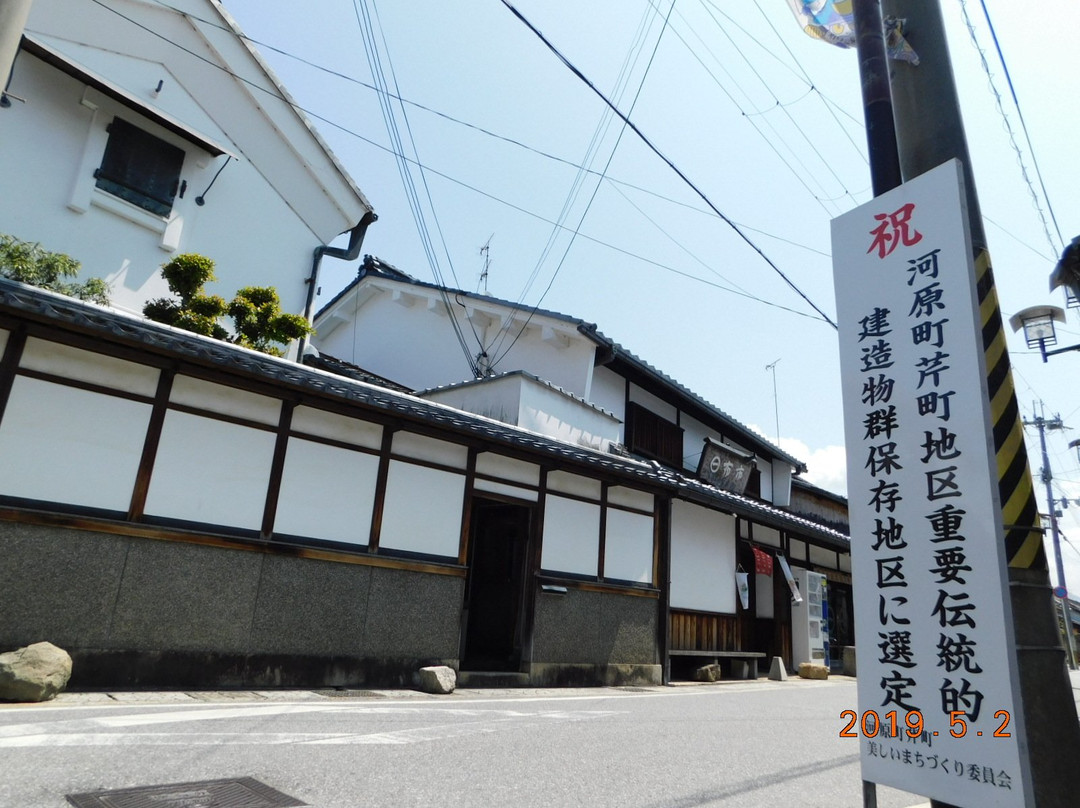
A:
[102,322]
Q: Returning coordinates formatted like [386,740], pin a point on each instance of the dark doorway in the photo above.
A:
[495,586]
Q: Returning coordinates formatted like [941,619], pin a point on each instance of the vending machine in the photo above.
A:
[810,620]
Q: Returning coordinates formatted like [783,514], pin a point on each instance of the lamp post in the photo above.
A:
[1038,325]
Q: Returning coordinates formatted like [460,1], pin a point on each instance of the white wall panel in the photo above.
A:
[3,340]
[822,557]
[419,447]
[628,547]
[334,506]
[210,471]
[337,427]
[571,536]
[702,559]
[797,549]
[628,497]
[767,535]
[63,444]
[225,400]
[507,468]
[845,562]
[74,363]
[422,510]
[567,483]
[506,490]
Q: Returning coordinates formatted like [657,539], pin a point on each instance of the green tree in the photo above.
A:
[33,264]
[258,320]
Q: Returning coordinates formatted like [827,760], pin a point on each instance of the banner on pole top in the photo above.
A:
[828,20]
[938,712]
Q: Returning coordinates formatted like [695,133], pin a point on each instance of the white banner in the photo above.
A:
[937,712]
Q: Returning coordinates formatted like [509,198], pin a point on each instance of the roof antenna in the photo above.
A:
[776,402]
[486,252]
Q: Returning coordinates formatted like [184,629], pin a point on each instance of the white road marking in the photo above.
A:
[87,732]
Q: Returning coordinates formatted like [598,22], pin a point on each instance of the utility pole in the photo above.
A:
[929,132]
[1043,424]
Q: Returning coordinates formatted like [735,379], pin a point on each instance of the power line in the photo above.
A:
[467,124]
[666,160]
[276,94]
[1008,125]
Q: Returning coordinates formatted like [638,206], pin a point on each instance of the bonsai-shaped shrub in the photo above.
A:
[256,312]
[33,264]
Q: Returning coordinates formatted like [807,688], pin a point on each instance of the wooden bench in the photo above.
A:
[744,663]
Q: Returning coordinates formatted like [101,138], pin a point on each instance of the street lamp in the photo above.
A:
[1038,325]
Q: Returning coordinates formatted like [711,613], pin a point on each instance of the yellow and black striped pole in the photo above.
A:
[929,132]
[1020,514]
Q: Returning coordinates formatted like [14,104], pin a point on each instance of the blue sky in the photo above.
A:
[764,120]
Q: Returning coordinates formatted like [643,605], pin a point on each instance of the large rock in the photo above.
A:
[811,670]
[34,673]
[438,679]
[707,673]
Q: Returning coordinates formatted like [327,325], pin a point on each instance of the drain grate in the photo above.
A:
[243,792]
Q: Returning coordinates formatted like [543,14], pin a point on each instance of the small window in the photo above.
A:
[140,168]
[649,434]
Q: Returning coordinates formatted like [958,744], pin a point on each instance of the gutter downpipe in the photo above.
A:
[13,16]
[350,253]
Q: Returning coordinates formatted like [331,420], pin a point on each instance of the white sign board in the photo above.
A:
[938,713]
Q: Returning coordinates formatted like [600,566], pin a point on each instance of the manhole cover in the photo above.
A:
[243,792]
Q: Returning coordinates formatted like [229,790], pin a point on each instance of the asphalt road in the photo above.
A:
[747,744]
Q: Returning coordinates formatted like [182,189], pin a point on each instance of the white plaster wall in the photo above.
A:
[210,471]
[498,399]
[654,404]
[765,467]
[628,547]
[767,535]
[49,148]
[694,434]
[702,559]
[763,595]
[63,444]
[327,492]
[74,363]
[415,344]
[821,557]
[781,483]
[410,345]
[550,413]
[422,510]
[571,540]
[609,393]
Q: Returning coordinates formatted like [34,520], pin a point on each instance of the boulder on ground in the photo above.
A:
[811,670]
[34,673]
[438,679]
[707,673]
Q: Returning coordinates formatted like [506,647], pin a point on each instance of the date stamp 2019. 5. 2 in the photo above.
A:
[911,724]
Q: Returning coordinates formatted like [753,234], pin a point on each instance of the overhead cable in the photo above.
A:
[570,66]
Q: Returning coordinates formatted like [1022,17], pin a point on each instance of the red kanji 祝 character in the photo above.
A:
[894,230]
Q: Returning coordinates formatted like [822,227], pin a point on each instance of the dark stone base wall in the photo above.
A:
[595,638]
[136,612]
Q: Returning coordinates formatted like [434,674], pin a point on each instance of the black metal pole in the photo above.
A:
[881,143]
[877,100]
